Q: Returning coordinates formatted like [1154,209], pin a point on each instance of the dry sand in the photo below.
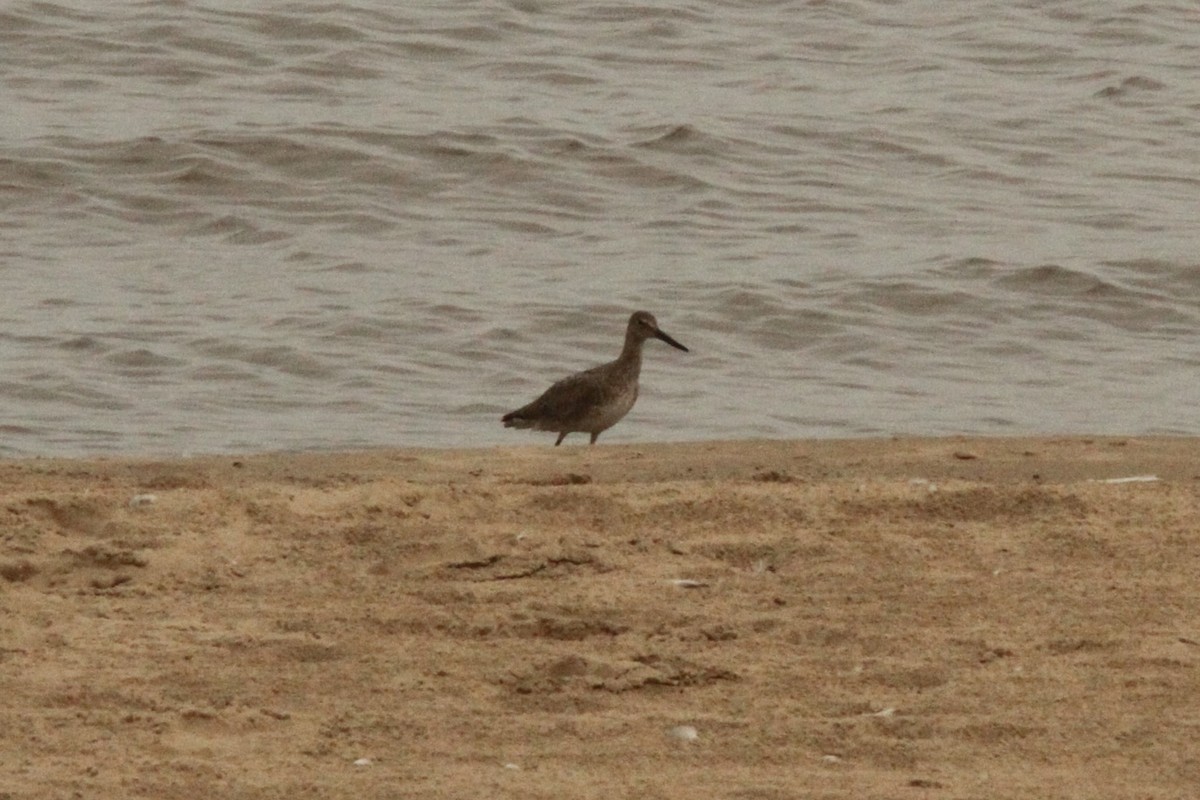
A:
[949,618]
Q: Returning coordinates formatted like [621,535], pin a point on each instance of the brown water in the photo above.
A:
[374,224]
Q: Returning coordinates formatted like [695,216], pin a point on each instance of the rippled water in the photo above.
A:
[370,223]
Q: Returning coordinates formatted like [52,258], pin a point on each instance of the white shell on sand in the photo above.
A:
[684,733]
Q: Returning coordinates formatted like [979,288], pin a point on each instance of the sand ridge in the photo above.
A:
[846,619]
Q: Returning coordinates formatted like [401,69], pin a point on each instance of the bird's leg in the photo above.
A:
[595,436]
[561,436]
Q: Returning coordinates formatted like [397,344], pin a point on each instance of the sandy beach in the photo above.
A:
[949,618]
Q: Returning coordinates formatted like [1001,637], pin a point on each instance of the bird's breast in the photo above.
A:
[614,407]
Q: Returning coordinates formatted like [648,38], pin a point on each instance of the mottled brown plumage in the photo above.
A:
[594,400]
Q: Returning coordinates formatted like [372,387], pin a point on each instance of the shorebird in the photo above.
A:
[594,400]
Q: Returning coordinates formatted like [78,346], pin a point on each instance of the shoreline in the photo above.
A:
[965,616]
[887,454]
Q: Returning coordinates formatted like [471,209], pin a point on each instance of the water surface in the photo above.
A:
[310,226]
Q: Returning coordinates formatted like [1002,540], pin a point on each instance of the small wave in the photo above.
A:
[142,359]
[1129,86]
[1050,278]
[282,358]
[678,138]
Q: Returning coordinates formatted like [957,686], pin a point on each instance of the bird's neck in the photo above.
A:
[631,353]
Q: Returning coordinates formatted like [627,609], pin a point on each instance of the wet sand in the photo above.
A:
[957,618]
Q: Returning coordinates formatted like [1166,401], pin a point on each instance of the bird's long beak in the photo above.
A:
[660,334]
